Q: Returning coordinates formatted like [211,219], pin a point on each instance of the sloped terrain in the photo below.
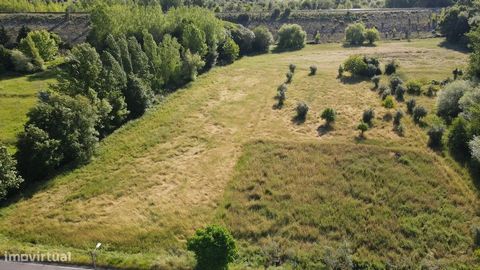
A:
[157,179]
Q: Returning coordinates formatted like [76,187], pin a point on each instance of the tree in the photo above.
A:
[126,60]
[192,63]
[368,116]
[140,65]
[329,115]
[302,110]
[22,33]
[411,105]
[291,37]
[28,48]
[448,100]
[214,248]
[435,134]
[229,51]
[9,178]
[60,130]
[372,35]
[454,24]
[458,138]
[355,34]
[362,127]
[112,47]
[376,81]
[169,54]
[243,37]
[391,67]
[263,39]
[355,65]
[138,95]
[418,113]
[47,46]
[474,145]
[193,39]
[168,4]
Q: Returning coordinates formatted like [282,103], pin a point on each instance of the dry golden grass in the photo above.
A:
[157,179]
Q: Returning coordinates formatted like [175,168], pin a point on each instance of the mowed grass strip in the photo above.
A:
[300,204]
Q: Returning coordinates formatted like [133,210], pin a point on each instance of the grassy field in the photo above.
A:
[157,179]
[17,95]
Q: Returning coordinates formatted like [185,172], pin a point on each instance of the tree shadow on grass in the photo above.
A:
[298,120]
[352,79]
[44,75]
[454,47]
[324,129]
[348,45]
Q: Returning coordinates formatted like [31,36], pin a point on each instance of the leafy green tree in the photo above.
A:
[372,35]
[355,65]
[9,178]
[126,60]
[229,51]
[28,48]
[454,24]
[111,46]
[302,110]
[355,34]
[169,53]
[448,106]
[368,115]
[243,37]
[263,39]
[291,37]
[458,138]
[435,135]
[140,64]
[362,127]
[418,113]
[46,45]
[192,63]
[60,130]
[214,248]
[329,115]
[138,95]
[194,39]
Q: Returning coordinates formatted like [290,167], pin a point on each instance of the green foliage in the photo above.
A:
[372,35]
[474,145]
[362,127]
[6,63]
[355,34]
[448,100]
[313,70]
[340,71]
[317,38]
[388,102]
[394,82]
[400,92]
[391,67]
[418,113]
[9,178]
[23,64]
[112,47]
[243,37]
[397,117]
[60,130]
[138,96]
[329,115]
[458,138]
[43,42]
[229,51]
[22,33]
[192,63]
[28,48]
[193,38]
[140,63]
[292,68]
[302,110]
[291,37]
[411,105]
[454,24]
[435,134]
[263,39]
[170,59]
[376,81]
[368,116]
[214,248]
[125,54]
[355,65]
[414,87]
[289,76]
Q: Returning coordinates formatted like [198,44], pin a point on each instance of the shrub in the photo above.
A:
[329,115]
[372,70]
[355,34]
[243,37]
[170,59]
[46,45]
[289,76]
[229,51]
[414,87]
[432,90]
[397,117]
[9,178]
[458,138]
[368,116]
[376,81]
[191,64]
[6,62]
[275,13]
[313,70]
[383,88]
[317,38]
[362,127]
[418,113]
[411,105]
[394,82]
[23,64]
[355,65]
[454,24]
[292,68]
[474,145]
[214,248]
[457,73]
[388,102]
[448,100]
[291,37]
[60,130]
[138,95]
[372,35]
[400,92]
[281,96]
[22,33]
[400,129]
[302,110]
[193,38]
[470,98]
[386,93]
[263,39]
[391,67]
[435,134]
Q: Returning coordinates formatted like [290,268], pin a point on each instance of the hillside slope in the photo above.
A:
[157,179]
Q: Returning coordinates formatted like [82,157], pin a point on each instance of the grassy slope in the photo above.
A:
[157,179]
[17,96]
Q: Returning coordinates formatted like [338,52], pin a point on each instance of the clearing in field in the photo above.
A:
[218,151]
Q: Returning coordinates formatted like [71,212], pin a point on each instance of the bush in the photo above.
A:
[291,37]
[302,110]
[432,90]
[243,37]
[400,92]
[281,96]
[6,63]
[193,38]
[418,113]
[60,130]
[386,93]
[397,117]
[229,51]
[474,145]
[414,87]
[43,41]
[329,115]
[355,65]
[388,102]
[454,24]
[23,64]
[214,248]
[263,39]
[458,138]
[383,88]
[448,100]
[435,135]
[400,129]
[391,67]
[362,127]
[289,76]
[368,116]
[292,68]
[411,105]
[372,70]
[394,82]
[22,33]
[470,98]
[9,178]
[317,38]
[376,81]
[355,34]
[138,95]
[191,64]
[372,35]
[313,70]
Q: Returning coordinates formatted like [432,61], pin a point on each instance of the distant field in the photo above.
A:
[17,95]
[157,179]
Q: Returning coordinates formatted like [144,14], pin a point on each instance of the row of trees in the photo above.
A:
[356,34]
